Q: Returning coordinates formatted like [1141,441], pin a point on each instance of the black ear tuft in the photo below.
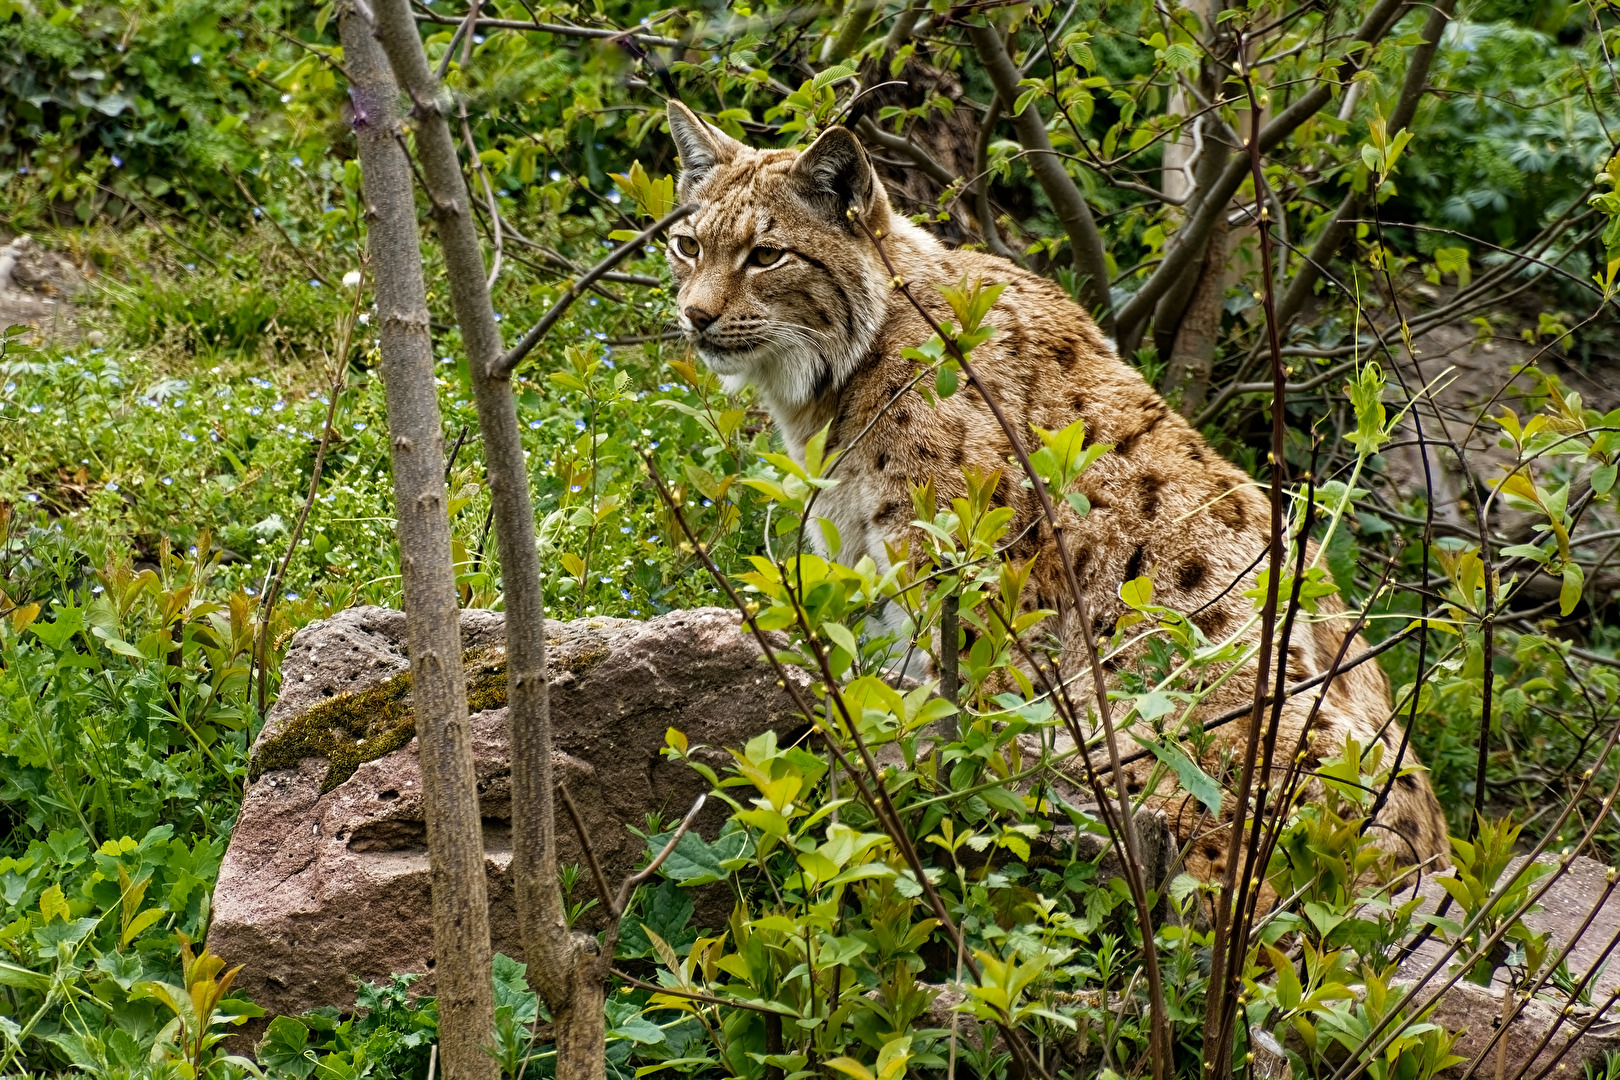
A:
[834,173]
[701,147]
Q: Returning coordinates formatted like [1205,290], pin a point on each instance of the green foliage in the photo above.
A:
[149,482]
[98,969]
[104,106]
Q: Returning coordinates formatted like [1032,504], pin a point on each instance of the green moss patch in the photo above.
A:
[363,726]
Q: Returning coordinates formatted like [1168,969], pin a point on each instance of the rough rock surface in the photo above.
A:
[1540,1030]
[317,890]
[36,285]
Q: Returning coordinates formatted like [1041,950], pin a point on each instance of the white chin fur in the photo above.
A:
[785,377]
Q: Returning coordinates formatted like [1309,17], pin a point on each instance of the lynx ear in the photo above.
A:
[701,146]
[835,173]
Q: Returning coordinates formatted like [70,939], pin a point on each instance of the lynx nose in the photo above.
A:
[700,319]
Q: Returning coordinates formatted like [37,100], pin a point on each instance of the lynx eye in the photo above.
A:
[765,256]
[687,246]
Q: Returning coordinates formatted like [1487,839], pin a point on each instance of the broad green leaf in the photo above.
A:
[1194,780]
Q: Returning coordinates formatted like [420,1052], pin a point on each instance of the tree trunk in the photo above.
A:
[1192,354]
[1085,242]
[432,621]
[564,967]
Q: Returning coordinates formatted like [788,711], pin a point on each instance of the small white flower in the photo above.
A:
[363,318]
[351,280]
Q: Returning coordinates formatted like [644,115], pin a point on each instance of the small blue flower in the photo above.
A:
[118,162]
[534,424]
[196,58]
[579,425]
[359,425]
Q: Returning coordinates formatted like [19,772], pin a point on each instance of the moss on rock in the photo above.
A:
[351,729]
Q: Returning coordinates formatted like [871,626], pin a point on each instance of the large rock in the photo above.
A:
[321,887]
[1548,1031]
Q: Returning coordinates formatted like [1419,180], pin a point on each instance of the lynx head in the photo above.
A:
[778,287]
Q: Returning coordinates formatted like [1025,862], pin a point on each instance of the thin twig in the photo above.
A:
[585,843]
[261,651]
[507,364]
[630,883]
[561,29]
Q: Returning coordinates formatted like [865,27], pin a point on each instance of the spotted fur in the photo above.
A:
[815,326]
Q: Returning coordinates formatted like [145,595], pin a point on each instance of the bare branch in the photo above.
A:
[432,621]
[1188,242]
[623,899]
[560,29]
[901,145]
[503,367]
[585,845]
[1338,227]
[272,588]
[1085,241]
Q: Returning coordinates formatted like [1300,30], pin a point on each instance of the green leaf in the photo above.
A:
[1570,594]
[850,1067]
[52,905]
[22,978]
[1367,395]
[284,1048]
[1194,780]
[1603,479]
[69,621]
[841,636]
[124,968]
[1137,592]
[638,1030]
[694,860]
[830,76]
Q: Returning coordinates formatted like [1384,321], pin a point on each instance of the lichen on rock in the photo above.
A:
[351,729]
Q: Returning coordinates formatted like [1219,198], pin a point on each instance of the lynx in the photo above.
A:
[780,289]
